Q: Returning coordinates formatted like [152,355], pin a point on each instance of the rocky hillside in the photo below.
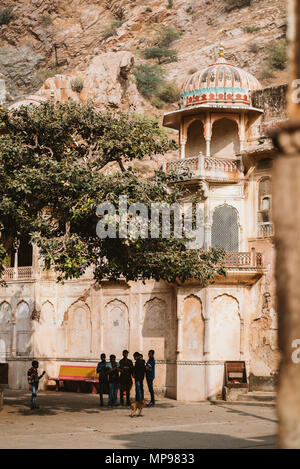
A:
[87,39]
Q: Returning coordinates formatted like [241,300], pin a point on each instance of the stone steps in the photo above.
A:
[253,398]
[259,396]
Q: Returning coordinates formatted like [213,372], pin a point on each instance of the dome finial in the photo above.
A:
[221,58]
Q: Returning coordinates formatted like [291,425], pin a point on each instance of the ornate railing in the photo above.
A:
[222,164]
[19,273]
[265,230]
[244,259]
[201,166]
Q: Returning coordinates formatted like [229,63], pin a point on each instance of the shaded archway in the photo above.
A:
[225,138]
[195,139]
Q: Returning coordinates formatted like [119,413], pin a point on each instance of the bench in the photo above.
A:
[77,374]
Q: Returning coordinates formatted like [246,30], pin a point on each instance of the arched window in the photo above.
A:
[225,230]
[264,208]
[264,200]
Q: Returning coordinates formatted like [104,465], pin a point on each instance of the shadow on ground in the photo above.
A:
[52,403]
[190,440]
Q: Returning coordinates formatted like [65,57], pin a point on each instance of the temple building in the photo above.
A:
[222,120]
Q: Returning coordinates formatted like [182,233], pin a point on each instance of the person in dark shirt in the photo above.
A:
[102,370]
[113,381]
[150,375]
[33,380]
[139,374]
[126,369]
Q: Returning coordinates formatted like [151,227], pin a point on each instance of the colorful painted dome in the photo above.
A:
[220,83]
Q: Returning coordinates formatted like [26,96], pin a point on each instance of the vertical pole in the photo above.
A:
[286,215]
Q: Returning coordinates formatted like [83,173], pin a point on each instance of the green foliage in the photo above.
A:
[5,15]
[161,54]
[169,93]
[149,78]
[266,72]
[157,102]
[251,29]
[151,83]
[149,10]
[46,19]
[170,4]
[160,47]
[235,4]
[166,35]
[77,84]
[277,55]
[112,29]
[52,173]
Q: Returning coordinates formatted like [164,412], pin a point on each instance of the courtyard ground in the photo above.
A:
[71,420]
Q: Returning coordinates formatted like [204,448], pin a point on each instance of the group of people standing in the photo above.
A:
[117,376]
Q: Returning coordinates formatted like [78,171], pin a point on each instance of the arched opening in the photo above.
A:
[23,329]
[79,330]
[153,331]
[193,329]
[195,139]
[225,229]
[264,216]
[116,325]
[5,330]
[225,138]
[225,329]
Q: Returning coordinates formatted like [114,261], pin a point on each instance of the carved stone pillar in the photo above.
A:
[14,338]
[16,246]
[182,150]
[242,339]
[242,132]
[208,133]
[179,349]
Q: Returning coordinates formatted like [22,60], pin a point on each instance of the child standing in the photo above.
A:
[33,380]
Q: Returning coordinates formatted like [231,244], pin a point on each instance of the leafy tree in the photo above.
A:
[5,16]
[160,47]
[162,54]
[54,162]
[166,35]
[149,78]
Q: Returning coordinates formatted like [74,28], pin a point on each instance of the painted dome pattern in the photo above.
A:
[220,83]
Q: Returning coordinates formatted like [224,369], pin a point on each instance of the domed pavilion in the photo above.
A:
[215,110]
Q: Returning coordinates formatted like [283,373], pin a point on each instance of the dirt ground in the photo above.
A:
[72,420]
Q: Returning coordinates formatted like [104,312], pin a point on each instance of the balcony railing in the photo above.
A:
[251,259]
[265,229]
[201,166]
[19,273]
